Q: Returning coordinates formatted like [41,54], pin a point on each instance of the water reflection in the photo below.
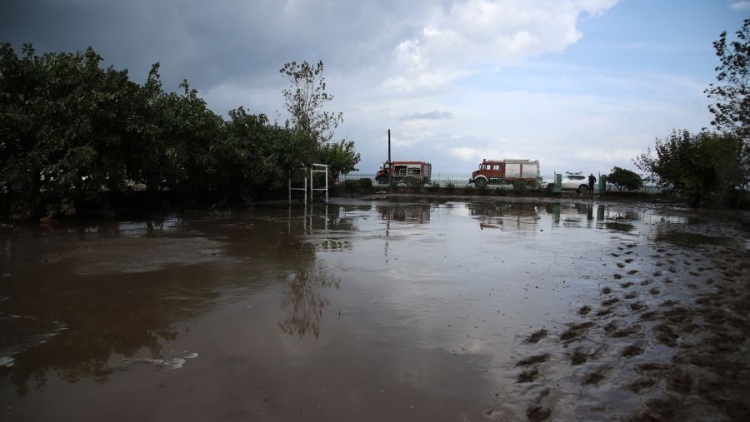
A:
[408,213]
[505,216]
[77,299]
[304,303]
[72,327]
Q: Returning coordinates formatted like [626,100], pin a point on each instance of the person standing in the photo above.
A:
[592,180]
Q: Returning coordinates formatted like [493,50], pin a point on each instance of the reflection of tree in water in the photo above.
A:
[99,322]
[303,302]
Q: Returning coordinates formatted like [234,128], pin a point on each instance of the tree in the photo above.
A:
[64,119]
[732,94]
[696,166]
[340,157]
[305,100]
[625,179]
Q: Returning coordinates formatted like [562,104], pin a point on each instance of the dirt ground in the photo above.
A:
[654,327]
[686,358]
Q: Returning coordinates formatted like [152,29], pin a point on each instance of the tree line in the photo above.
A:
[710,166]
[76,138]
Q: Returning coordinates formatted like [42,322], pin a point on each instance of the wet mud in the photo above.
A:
[381,310]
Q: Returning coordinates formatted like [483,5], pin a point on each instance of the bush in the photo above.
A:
[624,179]
[433,187]
[365,184]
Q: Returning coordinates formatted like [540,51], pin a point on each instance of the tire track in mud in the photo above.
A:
[666,340]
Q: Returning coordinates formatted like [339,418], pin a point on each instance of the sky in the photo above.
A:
[580,85]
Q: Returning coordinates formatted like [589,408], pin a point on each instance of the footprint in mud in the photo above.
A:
[631,295]
[650,367]
[530,374]
[582,354]
[610,302]
[606,290]
[654,291]
[631,272]
[617,276]
[537,412]
[679,380]
[536,336]
[633,350]
[585,309]
[527,375]
[575,331]
[641,384]
[649,316]
[594,378]
[629,260]
[620,265]
[666,335]
[611,327]
[604,312]
[613,330]
[532,360]
[637,306]
[626,284]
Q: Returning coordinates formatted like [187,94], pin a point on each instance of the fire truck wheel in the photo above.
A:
[480,183]
[410,182]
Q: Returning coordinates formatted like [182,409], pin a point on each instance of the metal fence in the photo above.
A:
[461,179]
[443,179]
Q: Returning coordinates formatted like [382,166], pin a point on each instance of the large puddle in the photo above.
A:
[364,311]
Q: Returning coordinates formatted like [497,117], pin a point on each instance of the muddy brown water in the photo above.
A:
[353,310]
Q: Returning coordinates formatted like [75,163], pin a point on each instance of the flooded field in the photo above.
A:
[374,310]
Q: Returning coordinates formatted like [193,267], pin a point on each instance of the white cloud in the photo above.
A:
[740,5]
[455,40]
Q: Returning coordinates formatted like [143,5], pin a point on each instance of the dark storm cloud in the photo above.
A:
[210,43]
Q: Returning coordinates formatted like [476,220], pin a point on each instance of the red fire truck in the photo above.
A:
[412,173]
[522,174]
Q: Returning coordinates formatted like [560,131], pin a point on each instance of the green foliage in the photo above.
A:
[625,179]
[732,92]
[305,100]
[365,183]
[695,166]
[341,157]
[65,124]
[75,135]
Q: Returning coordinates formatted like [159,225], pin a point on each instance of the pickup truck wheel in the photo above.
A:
[480,183]
[583,189]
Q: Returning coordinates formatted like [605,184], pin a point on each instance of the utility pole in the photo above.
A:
[389,157]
